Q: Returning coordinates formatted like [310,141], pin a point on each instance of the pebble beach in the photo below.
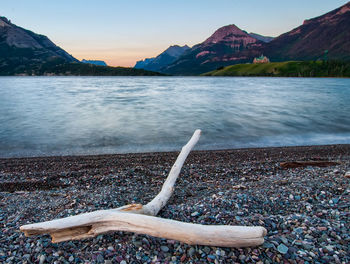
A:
[305,209]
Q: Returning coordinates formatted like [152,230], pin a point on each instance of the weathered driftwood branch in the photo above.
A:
[154,206]
[297,164]
[99,222]
[141,219]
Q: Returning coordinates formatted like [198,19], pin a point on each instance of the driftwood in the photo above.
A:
[141,219]
[297,164]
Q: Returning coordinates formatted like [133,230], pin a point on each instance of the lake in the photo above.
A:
[42,116]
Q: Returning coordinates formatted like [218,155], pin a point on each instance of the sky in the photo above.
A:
[122,32]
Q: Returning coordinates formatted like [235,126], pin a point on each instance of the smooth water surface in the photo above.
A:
[95,115]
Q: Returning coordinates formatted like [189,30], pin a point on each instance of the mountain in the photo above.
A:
[23,52]
[228,45]
[329,32]
[262,38]
[95,62]
[162,60]
[21,49]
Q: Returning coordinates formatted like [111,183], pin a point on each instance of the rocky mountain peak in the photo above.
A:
[176,50]
[229,33]
[4,22]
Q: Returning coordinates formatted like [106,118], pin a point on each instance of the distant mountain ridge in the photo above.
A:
[262,38]
[95,62]
[165,58]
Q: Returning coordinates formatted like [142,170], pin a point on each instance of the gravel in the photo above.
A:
[304,209]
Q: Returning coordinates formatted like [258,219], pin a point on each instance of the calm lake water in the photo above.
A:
[94,115]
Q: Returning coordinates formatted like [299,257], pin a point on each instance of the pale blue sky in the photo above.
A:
[122,32]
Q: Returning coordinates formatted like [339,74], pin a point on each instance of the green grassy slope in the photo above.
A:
[287,69]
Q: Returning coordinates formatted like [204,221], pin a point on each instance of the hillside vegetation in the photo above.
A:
[287,69]
[58,66]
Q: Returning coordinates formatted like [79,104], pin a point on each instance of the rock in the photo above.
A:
[100,259]
[284,240]
[71,259]
[267,245]
[238,187]
[123,262]
[191,251]
[195,214]
[347,174]
[211,257]
[164,248]
[206,250]
[42,259]
[283,249]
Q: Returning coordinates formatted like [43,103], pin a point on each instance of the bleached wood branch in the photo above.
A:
[99,222]
[141,219]
[158,202]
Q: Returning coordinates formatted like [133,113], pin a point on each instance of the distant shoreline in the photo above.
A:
[309,69]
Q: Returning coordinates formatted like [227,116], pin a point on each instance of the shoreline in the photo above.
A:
[305,209]
[175,151]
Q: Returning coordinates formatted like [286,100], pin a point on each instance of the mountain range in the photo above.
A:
[23,52]
[327,37]
[228,45]
[167,57]
[323,37]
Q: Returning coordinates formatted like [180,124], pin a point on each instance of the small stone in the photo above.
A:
[110,248]
[329,248]
[183,258]
[298,230]
[100,259]
[284,240]
[164,248]
[195,214]
[206,250]
[191,251]
[71,258]
[312,254]
[267,245]
[123,262]
[336,258]
[211,257]
[283,249]
[42,259]
[335,200]
[347,174]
